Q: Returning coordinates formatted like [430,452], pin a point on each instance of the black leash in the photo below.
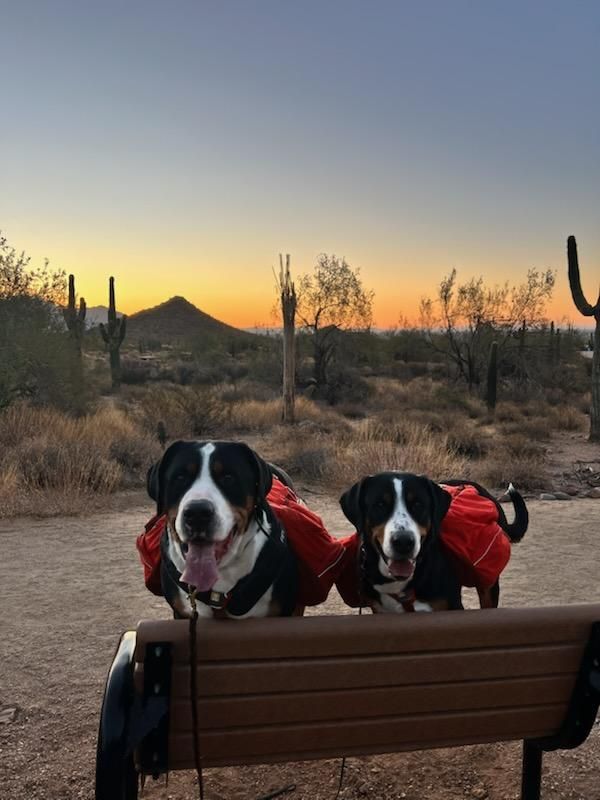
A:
[194,693]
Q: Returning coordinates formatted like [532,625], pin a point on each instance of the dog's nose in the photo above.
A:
[197,515]
[403,543]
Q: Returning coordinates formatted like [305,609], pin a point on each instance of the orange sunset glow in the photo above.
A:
[182,172]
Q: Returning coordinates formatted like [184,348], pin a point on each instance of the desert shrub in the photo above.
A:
[501,468]
[583,402]
[352,410]
[569,418]
[536,408]
[54,463]
[507,411]
[36,357]
[255,415]
[134,371]
[520,445]
[345,386]
[453,398]
[435,421]
[71,465]
[387,393]
[310,463]
[340,460]
[467,440]
[409,370]
[185,411]
[265,365]
[529,429]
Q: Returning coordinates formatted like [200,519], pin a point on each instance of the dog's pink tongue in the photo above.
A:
[403,568]
[200,566]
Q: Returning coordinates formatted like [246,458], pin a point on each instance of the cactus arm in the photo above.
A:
[71,292]
[112,310]
[581,303]
[122,328]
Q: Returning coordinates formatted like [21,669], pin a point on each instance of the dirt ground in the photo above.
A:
[70,586]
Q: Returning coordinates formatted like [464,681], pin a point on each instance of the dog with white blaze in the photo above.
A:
[419,542]
[221,541]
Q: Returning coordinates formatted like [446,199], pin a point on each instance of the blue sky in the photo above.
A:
[182,145]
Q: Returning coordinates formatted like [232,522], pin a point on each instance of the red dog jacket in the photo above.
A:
[475,543]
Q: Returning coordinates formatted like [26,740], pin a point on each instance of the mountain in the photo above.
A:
[176,320]
[97,314]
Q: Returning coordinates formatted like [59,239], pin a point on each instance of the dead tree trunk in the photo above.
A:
[587,310]
[288,313]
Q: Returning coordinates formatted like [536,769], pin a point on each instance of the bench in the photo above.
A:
[276,690]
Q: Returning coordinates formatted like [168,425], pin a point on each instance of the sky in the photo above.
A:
[182,145]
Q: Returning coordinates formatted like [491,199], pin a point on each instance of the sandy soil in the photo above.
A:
[69,586]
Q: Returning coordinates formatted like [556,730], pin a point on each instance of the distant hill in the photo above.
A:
[97,314]
[178,320]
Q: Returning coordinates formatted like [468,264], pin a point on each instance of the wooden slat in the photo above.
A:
[305,674]
[282,709]
[278,638]
[278,743]
[291,689]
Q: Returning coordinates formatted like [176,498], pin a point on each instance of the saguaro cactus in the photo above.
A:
[492,377]
[288,312]
[74,318]
[75,322]
[588,310]
[113,334]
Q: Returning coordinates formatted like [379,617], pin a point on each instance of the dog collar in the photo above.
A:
[248,590]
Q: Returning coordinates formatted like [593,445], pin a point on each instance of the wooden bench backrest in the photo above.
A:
[292,689]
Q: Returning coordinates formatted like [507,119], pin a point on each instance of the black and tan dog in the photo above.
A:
[221,538]
[403,564]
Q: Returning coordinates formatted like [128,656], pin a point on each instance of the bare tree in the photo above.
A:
[18,279]
[470,316]
[588,310]
[287,293]
[332,299]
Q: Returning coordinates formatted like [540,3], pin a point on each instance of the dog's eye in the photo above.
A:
[181,477]
[227,479]
[380,504]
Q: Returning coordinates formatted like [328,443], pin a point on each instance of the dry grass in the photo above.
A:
[340,461]
[569,418]
[255,415]
[219,411]
[527,473]
[52,463]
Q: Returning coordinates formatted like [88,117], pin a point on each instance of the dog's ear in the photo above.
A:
[155,476]
[351,503]
[264,475]
[152,481]
[440,503]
